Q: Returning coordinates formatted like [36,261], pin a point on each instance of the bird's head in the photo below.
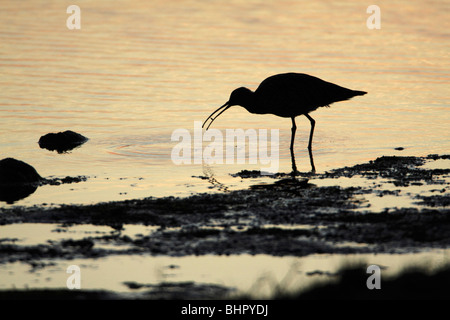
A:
[239,97]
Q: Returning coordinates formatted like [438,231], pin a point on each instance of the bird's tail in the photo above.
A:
[359,93]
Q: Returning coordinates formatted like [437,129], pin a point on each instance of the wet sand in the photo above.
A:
[311,214]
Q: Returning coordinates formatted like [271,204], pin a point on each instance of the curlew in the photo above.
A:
[288,95]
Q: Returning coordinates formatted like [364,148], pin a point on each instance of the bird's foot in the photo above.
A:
[295,173]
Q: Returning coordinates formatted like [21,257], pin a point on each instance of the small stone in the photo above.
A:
[62,141]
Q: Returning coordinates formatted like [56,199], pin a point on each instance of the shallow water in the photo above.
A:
[136,71]
[258,275]
[139,70]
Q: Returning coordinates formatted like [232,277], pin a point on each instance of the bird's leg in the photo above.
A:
[313,123]
[313,168]
[294,128]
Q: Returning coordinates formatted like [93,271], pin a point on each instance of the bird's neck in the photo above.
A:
[256,105]
[249,103]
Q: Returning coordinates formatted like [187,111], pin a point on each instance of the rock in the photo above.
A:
[14,171]
[17,180]
[62,141]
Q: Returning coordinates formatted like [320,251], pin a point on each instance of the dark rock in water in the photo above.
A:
[66,180]
[17,180]
[14,171]
[62,141]
[247,174]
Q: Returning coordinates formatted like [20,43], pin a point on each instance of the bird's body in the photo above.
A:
[289,95]
[293,94]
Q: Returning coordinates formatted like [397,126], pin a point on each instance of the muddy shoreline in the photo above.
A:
[289,217]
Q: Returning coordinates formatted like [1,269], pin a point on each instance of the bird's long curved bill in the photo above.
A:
[224,107]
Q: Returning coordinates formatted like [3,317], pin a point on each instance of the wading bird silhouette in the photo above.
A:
[288,95]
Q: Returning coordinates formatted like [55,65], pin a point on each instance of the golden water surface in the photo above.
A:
[138,70]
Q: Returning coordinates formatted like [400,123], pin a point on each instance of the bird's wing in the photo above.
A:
[300,91]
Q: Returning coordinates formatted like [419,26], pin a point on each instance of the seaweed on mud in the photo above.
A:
[236,222]
[403,170]
[434,200]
